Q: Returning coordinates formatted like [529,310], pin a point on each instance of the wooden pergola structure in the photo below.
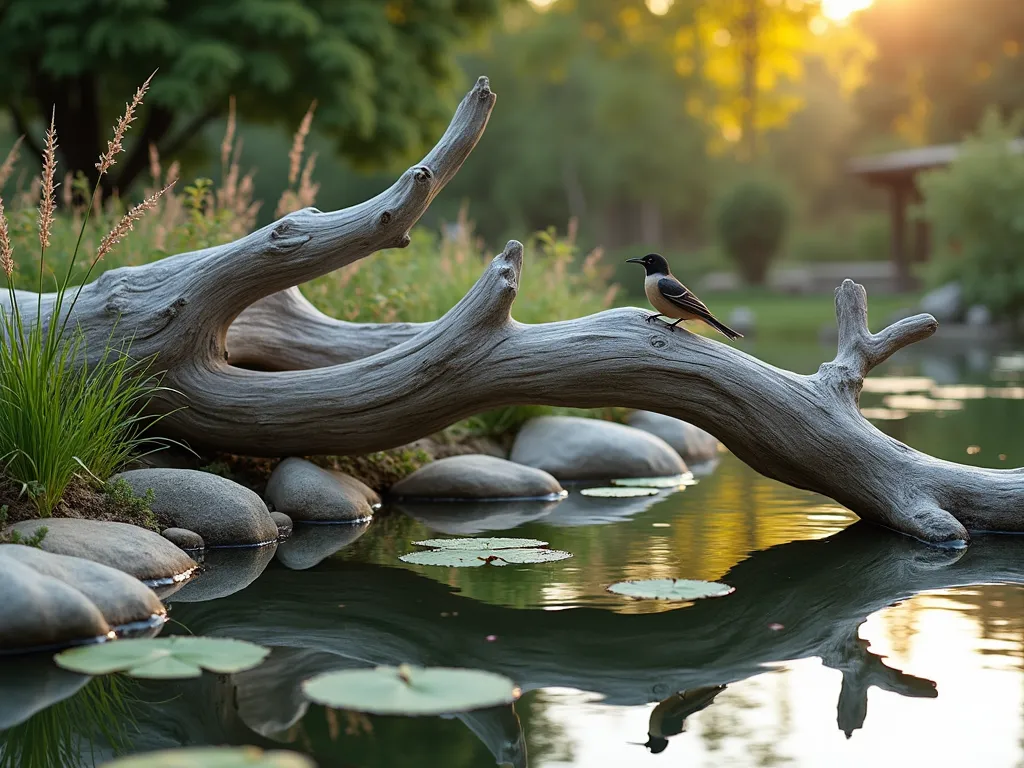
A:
[897,172]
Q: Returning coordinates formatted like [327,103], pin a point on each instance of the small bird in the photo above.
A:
[673,299]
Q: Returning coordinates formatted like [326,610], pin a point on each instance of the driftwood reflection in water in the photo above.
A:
[343,614]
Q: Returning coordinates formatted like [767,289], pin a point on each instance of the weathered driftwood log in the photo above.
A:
[351,388]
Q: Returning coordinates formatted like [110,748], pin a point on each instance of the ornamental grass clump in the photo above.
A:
[67,413]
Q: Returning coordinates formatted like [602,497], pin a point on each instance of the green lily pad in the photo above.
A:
[671,589]
[470,558]
[408,690]
[619,493]
[671,481]
[164,658]
[491,543]
[214,757]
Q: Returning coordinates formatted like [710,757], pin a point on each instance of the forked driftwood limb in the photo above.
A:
[325,386]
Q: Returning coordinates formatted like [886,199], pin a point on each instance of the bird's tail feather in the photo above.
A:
[722,328]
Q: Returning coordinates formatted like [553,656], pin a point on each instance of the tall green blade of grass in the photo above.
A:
[61,417]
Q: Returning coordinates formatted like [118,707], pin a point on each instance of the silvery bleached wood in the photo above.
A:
[353,388]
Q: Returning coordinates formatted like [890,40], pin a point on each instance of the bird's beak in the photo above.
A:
[634,261]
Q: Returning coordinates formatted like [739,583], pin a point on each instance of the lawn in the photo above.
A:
[783,315]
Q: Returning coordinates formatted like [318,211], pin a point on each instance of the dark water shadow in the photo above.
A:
[798,600]
[577,510]
[30,684]
[794,601]
[225,572]
[465,518]
[310,544]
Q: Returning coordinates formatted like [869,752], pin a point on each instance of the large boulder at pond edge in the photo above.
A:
[223,512]
[146,555]
[474,476]
[574,448]
[308,493]
[50,601]
[692,443]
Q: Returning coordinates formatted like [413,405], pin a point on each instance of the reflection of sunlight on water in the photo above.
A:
[883,414]
[959,392]
[788,716]
[897,385]
[920,403]
[560,593]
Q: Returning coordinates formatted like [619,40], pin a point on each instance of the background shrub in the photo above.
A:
[751,220]
[976,210]
[424,280]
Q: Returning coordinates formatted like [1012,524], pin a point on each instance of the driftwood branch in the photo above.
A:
[285,332]
[324,386]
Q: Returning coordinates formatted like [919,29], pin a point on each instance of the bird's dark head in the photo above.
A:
[656,744]
[654,264]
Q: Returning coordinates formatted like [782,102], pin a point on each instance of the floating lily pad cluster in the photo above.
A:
[164,658]
[472,553]
[630,487]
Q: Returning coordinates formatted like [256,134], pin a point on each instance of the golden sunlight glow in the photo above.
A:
[839,10]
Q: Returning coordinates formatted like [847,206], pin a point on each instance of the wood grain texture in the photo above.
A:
[329,387]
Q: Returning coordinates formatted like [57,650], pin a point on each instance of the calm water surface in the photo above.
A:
[842,645]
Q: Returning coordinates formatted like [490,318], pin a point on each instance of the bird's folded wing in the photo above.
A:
[682,297]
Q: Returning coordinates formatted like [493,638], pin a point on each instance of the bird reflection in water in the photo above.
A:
[668,718]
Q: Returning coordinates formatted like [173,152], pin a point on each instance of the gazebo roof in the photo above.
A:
[904,164]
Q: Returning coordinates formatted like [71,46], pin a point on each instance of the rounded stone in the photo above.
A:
[284,524]
[692,443]
[138,552]
[476,477]
[190,541]
[52,601]
[575,448]
[306,492]
[223,512]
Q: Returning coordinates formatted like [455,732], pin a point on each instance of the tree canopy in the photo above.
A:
[380,71]
[939,64]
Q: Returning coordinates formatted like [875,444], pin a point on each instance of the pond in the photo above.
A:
[843,644]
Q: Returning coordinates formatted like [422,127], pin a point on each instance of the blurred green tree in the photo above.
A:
[381,71]
[594,126]
[939,64]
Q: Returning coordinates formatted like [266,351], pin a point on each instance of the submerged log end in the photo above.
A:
[928,522]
